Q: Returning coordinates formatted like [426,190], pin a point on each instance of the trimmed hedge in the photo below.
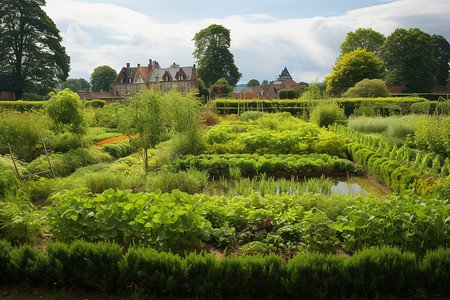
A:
[22,106]
[252,164]
[371,273]
[383,106]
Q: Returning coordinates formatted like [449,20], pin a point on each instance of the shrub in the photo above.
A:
[251,115]
[368,88]
[433,134]
[328,114]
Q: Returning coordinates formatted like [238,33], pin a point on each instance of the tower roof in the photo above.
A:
[285,74]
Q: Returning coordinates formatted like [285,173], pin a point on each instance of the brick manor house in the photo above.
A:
[132,79]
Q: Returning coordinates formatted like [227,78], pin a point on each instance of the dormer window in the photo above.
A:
[166,78]
[180,77]
[129,80]
[121,80]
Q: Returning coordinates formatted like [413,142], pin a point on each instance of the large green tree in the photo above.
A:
[354,67]
[442,55]
[253,83]
[74,84]
[409,59]
[102,79]
[364,38]
[215,60]
[31,56]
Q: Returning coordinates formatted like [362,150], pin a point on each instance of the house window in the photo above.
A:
[129,80]
[121,80]
[180,77]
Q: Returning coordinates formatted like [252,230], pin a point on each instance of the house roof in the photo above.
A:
[285,74]
[157,74]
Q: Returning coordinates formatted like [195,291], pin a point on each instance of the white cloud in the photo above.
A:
[261,45]
[77,37]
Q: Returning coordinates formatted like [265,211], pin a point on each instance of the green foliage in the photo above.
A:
[66,111]
[119,149]
[22,106]
[20,221]
[102,78]
[433,134]
[412,223]
[218,165]
[442,55]
[409,59]
[354,67]
[31,55]
[363,38]
[379,272]
[431,107]
[21,131]
[368,88]
[215,61]
[328,114]
[190,181]
[251,115]
[253,83]
[164,221]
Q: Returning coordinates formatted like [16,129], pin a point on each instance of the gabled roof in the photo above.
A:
[159,73]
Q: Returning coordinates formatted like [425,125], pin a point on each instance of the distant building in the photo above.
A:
[438,89]
[109,97]
[132,79]
[269,92]
[7,96]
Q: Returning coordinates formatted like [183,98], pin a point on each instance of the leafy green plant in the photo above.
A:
[327,114]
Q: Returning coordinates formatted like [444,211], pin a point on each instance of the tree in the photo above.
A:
[215,61]
[264,83]
[203,91]
[253,83]
[74,84]
[102,79]
[354,67]
[442,55]
[31,56]
[368,88]
[364,38]
[409,59]
[221,87]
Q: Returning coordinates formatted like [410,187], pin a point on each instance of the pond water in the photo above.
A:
[359,185]
[348,185]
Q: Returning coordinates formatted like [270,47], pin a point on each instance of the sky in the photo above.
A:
[266,36]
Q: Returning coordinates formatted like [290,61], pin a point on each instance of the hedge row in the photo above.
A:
[421,161]
[22,106]
[251,164]
[371,273]
[383,106]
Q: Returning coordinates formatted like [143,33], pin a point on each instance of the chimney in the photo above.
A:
[139,65]
[193,66]
[128,65]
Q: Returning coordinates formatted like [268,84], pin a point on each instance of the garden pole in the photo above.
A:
[46,154]
[14,162]
[82,149]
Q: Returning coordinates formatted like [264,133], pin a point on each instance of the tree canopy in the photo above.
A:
[102,79]
[354,67]
[215,60]
[31,56]
[442,55]
[364,38]
[409,59]
[252,83]
[368,88]
[74,84]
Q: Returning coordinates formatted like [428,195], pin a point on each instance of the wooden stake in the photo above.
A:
[46,154]
[82,149]
[14,162]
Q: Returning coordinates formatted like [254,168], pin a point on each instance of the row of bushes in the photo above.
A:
[383,106]
[24,106]
[421,161]
[220,165]
[371,273]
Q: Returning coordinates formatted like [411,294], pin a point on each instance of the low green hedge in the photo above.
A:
[251,164]
[383,106]
[371,273]
[22,106]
